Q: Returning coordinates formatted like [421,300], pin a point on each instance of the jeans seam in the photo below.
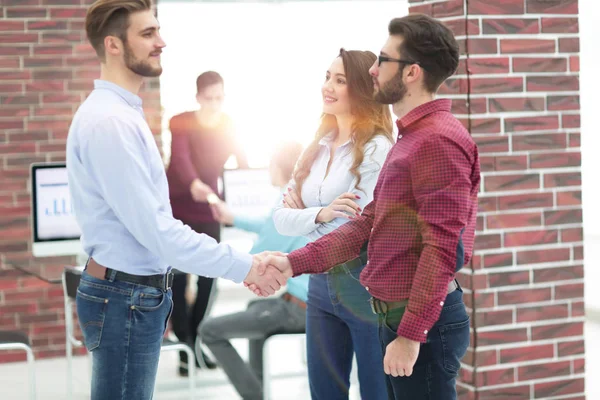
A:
[128,292]
[127,347]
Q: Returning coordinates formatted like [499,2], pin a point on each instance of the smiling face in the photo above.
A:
[336,100]
[143,45]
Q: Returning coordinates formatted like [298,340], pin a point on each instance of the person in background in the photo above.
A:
[202,142]
[263,316]
[333,181]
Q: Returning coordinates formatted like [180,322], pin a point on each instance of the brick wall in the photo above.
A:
[46,70]
[517,90]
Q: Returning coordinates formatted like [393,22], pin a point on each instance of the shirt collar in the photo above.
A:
[132,99]
[422,111]
[327,139]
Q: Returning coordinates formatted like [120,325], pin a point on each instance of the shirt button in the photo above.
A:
[441,303]
[366,287]
[399,136]
[425,331]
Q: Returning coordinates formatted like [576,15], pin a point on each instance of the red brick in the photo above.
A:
[491,144]
[545,312]
[568,45]
[460,106]
[571,348]
[496,317]
[558,217]
[571,235]
[578,252]
[482,125]
[516,104]
[10,63]
[579,366]
[11,124]
[14,75]
[449,8]
[46,49]
[558,274]
[552,83]
[537,123]
[478,46]
[571,121]
[53,111]
[539,142]
[562,179]
[12,50]
[510,25]
[20,99]
[23,161]
[61,98]
[574,63]
[512,392]
[31,62]
[86,85]
[26,12]
[558,388]
[496,8]
[545,370]
[10,88]
[558,103]
[574,139]
[499,183]
[75,12]
[577,309]
[83,61]
[552,7]
[52,147]
[44,25]
[520,354]
[54,125]
[540,64]
[62,37]
[14,148]
[571,291]
[568,198]
[555,160]
[516,46]
[6,25]
[560,25]
[554,331]
[543,256]
[459,28]
[503,336]
[18,38]
[487,203]
[522,201]
[53,74]
[504,221]
[496,85]
[510,163]
[530,238]
[495,377]
[12,356]
[484,300]
[492,65]
[508,279]
[521,296]
[28,136]
[21,2]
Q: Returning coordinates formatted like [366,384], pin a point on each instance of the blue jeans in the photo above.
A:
[123,325]
[434,374]
[339,323]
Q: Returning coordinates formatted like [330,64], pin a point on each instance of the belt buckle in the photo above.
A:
[378,306]
[168,280]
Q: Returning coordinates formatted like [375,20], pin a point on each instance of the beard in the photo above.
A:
[140,67]
[393,91]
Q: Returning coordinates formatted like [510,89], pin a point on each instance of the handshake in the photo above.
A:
[270,271]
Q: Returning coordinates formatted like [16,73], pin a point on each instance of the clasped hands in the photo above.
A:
[270,271]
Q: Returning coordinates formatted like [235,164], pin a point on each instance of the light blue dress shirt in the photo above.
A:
[120,195]
[321,188]
[270,240]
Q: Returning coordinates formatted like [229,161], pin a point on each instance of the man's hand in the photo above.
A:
[401,356]
[221,213]
[293,200]
[200,191]
[268,281]
[342,207]
[272,260]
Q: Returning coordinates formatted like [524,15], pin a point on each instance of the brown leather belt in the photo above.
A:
[294,299]
[382,307]
[163,282]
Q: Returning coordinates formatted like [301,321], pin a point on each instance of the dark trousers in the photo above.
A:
[186,319]
[435,372]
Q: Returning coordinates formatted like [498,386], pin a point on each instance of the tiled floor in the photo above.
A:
[213,385]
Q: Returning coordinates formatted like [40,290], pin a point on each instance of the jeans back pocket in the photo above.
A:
[455,342]
[91,311]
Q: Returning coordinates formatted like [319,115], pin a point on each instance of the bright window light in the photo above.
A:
[272,56]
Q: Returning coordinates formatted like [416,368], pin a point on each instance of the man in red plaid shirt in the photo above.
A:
[420,226]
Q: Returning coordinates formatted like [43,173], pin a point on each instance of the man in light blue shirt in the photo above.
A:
[120,196]
[263,317]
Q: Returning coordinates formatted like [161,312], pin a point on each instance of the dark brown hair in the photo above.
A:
[430,43]
[370,117]
[207,79]
[111,18]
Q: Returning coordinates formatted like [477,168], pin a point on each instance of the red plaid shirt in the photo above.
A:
[420,224]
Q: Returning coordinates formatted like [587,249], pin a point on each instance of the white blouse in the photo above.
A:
[318,190]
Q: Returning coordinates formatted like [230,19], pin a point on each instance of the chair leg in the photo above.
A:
[266,378]
[31,365]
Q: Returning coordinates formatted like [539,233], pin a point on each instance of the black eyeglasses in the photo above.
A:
[382,59]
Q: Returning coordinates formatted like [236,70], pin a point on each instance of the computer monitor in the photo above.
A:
[249,191]
[54,227]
